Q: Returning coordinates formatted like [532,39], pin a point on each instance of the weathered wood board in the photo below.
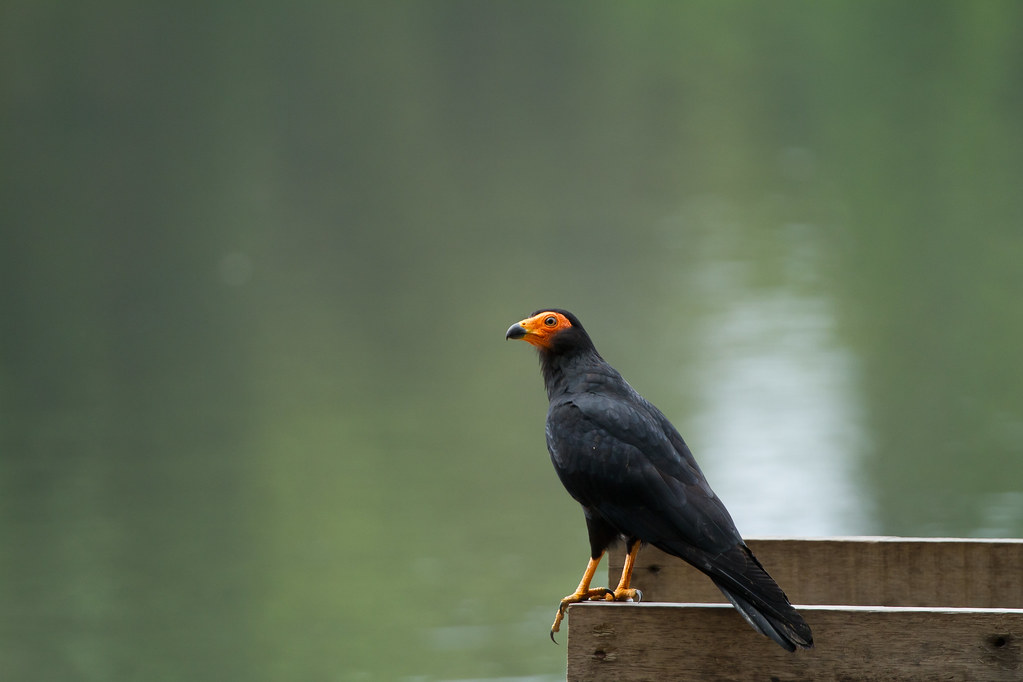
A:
[870,571]
[609,641]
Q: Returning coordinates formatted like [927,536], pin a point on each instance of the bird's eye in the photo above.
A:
[550,321]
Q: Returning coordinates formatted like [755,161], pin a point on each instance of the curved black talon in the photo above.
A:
[611,592]
[639,596]
[552,637]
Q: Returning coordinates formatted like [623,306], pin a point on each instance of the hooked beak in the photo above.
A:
[516,331]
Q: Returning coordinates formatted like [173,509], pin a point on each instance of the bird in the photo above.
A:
[621,459]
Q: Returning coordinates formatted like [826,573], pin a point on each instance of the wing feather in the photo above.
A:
[623,459]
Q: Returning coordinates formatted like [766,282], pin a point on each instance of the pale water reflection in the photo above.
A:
[779,418]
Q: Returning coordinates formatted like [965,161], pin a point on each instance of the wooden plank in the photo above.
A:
[619,641]
[866,571]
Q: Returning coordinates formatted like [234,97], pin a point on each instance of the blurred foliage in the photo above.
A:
[257,420]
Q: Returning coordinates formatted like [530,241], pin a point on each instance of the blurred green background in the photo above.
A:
[258,420]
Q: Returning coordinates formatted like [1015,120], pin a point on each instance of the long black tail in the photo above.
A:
[755,594]
[788,633]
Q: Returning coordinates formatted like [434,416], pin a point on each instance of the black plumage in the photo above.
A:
[636,478]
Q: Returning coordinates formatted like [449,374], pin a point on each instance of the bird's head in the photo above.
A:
[551,330]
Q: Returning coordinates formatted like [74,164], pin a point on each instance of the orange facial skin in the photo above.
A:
[541,328]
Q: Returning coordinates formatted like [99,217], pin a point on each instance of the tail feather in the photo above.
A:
[787,633]
[754,593]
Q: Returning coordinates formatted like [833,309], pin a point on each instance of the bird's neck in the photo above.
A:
[567,372]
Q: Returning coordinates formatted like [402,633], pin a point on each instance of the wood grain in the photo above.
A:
[711,642]
[871,571]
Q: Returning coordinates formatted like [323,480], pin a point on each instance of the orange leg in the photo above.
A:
[582,593]
[623,591]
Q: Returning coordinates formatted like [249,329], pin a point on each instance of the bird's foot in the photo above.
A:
[596,593]
[625,594]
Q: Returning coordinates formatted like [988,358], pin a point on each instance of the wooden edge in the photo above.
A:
[885,538]
[659,641]
[927,572]
[821,608]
